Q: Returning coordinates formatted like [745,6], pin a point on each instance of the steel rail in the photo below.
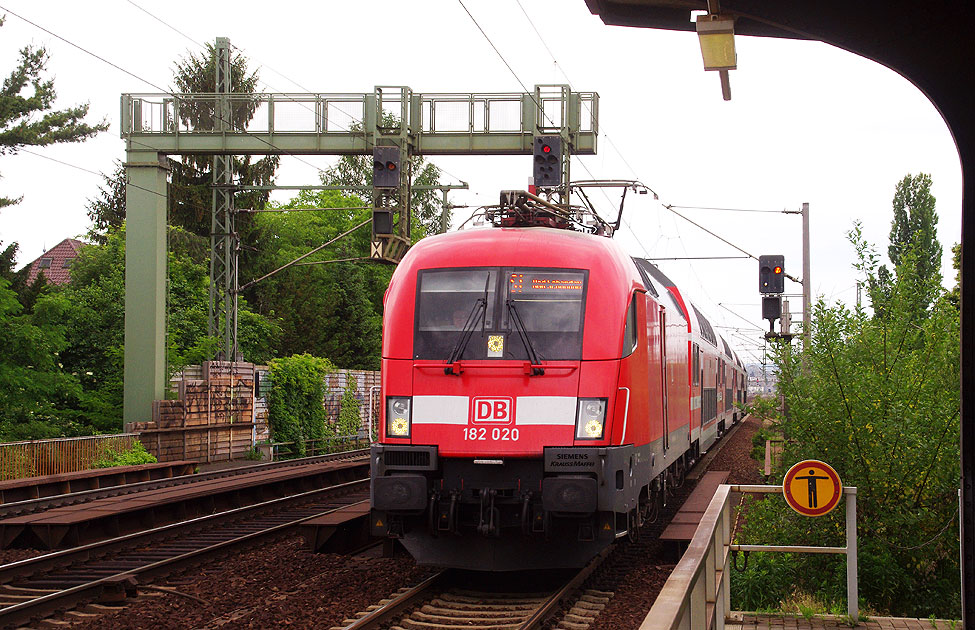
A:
[30,506]
[386,613]
[27,611]
[542,615]
[390,611]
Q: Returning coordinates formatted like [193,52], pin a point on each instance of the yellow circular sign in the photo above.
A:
[812,488]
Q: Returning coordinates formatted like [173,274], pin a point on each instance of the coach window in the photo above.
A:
[696,370]
[630,334]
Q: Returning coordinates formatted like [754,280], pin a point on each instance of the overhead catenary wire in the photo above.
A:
[783,211]
[609,139]
[164,23]
[264,65]
[139,78]
[86,170]
[739,316]
[586,105]
[632,170]
[302,257]
[146,81]
[537,104]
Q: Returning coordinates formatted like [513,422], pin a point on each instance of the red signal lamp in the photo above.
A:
[546,149]
[777,270]
[392,167]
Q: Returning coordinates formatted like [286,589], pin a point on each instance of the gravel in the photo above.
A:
[280,585]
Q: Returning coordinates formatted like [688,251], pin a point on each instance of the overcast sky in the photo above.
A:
[807,122]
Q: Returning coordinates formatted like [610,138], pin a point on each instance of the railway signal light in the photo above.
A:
[771,273]
[772,308]
[385,167]
[547,169]
[382,221]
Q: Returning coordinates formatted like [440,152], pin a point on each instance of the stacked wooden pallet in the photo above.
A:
[213,418]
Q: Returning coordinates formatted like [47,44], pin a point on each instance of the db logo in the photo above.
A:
[492,410]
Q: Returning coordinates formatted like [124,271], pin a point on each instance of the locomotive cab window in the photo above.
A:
[497,313]
[630,336]
[448,298]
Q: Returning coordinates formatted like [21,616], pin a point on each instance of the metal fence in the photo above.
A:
[273,451]
[62,455]
[697,594]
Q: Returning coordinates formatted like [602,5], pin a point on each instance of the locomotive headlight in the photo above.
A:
[398,417]
[590,418]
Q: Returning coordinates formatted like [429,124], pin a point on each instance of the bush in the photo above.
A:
[296,408]
[132,457]
[349,419]
[876,396]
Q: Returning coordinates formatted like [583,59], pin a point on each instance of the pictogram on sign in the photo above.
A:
[812,488]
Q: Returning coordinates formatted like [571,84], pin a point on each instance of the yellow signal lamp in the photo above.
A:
[399,427]
[594,429]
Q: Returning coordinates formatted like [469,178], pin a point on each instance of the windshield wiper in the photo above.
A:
[525,339]
[478,312]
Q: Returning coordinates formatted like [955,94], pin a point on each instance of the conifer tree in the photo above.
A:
[27,117]
[190,197]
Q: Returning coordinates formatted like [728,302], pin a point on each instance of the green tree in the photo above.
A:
[35,393]
[26,114]
[191,193]
[27,292]
[915,224]
[107,211]
[92,312]
[914,235]
[879,399]
[955,294]
[326,310]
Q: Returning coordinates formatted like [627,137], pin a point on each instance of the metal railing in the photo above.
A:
[36,458]
[273,451]
[697,593]
[433,116]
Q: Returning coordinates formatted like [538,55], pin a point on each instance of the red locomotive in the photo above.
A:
[541,389]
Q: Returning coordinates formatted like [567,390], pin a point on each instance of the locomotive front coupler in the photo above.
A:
[526,513]
[490,528]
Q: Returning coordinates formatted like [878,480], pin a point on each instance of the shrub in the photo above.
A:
[349,419]
[296,409]
[132,457]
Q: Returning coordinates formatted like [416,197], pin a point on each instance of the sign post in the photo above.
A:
[813,488]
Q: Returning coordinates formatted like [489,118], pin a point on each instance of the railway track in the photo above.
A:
[442,602]
[107,570]
[439,603]
[63,581]
[31,506]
